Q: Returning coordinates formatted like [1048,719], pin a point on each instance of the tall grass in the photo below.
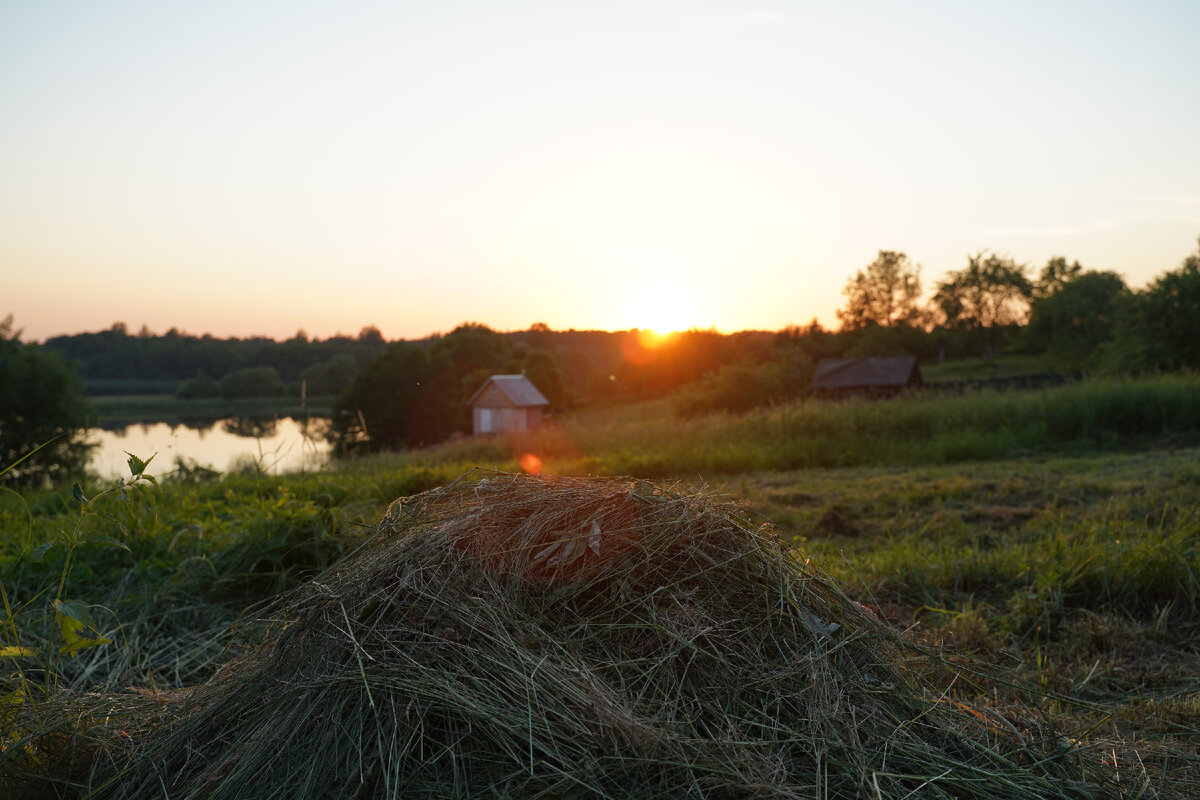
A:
[925,428]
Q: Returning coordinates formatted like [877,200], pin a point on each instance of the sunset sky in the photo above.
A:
[250,168]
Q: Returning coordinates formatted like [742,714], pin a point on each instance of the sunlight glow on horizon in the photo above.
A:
[258,170]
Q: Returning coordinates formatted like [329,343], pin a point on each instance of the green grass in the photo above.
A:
[646,440]
[1056,570]
[1066,584]
[1003,366]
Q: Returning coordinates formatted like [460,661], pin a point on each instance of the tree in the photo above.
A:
[1077,316]
[41,401]
[199,386]
[541,368]
[1055,275]
[381,408]
[253,382]
[1159,328]
[884,293]
[331,377]
[991,292]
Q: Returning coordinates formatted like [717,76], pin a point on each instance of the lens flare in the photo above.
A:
[531,464]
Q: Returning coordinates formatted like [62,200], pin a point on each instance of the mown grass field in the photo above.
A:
[1046,545]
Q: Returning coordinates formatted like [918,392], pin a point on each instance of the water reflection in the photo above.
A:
[274,444]
[252,427]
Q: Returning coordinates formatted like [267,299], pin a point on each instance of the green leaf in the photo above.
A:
[104,541]
[69,629]
[13,651]
[72,617]
[82,643]
[136,465]
[77,492]
[75,610]
[40,551]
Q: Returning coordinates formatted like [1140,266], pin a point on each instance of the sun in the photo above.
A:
[660,307]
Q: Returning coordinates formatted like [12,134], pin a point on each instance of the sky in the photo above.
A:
[259,168]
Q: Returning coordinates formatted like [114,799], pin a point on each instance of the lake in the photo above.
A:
[277,444]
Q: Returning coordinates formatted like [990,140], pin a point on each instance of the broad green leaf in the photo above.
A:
[69,629]
[82,643]
[76,610]
[13,651]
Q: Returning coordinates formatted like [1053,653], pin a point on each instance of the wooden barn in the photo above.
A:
[874,376]
[506,404]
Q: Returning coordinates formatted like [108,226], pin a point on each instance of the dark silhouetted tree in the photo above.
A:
[253,382]
[330,377]
[884,293]
[41,400]
[1159,328]
[1055,275]
[1078,315]
[382,408]
[990,293]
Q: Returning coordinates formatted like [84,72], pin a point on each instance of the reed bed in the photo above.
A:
[527,636]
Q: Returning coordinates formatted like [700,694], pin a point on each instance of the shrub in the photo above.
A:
[253,382]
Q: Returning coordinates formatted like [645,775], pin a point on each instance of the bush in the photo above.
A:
[331,377]
[253,382]
[41,403]
[199,386]
[742,387]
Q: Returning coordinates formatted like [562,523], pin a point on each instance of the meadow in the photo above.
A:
[1042,549]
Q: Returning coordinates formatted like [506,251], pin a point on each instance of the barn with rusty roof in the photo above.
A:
[506,404]
[874,376]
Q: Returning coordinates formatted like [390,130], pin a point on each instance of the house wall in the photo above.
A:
[505,420]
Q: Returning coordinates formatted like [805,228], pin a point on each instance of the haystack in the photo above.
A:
[522,636]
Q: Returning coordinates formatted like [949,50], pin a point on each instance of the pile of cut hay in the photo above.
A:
[522,636]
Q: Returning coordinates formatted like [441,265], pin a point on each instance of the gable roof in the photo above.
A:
[516,388]
[853,373]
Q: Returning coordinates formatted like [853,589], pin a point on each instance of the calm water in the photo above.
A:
[278,444]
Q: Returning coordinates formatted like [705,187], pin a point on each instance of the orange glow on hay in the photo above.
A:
[531,464]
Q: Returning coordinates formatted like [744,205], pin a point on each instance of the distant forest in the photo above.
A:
[1080,319]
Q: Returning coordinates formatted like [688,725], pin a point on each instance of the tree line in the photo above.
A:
[410,393]
[1088,318]
[114,361]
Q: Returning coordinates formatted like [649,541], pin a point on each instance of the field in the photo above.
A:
[1042,550]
